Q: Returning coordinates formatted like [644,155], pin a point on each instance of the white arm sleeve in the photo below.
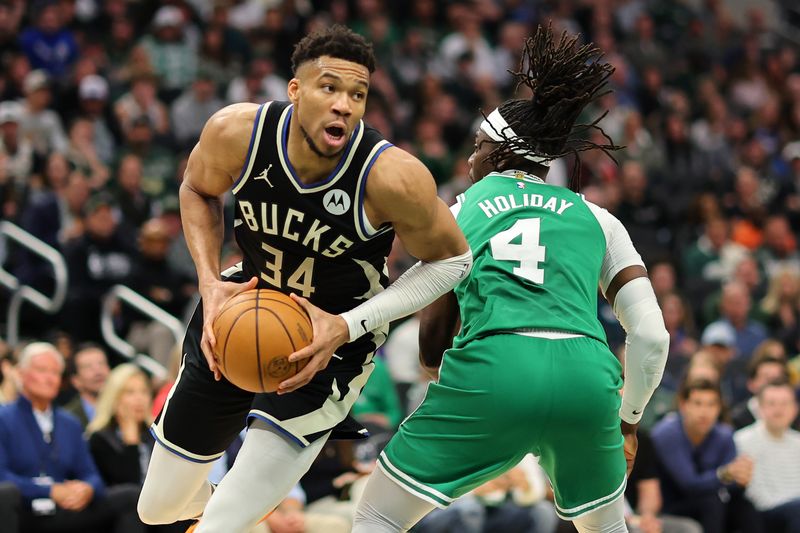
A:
[620,252]
[419,286]
[646,345]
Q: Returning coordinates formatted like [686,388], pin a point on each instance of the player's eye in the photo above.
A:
[328,88]
[358,96]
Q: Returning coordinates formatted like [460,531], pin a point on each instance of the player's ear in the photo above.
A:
[293,89]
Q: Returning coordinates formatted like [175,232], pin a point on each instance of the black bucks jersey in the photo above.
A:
[312,239]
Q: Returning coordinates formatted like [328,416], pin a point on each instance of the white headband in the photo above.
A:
[496,127]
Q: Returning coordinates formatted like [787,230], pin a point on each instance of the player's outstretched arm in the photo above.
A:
[214,164]
[401,192]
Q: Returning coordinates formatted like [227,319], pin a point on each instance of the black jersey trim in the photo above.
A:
[182,453]
[361,216]
[341,166]
[255,137]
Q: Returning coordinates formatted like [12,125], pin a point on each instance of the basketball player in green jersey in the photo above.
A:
[530,370]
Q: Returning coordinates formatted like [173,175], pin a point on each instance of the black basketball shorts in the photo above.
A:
[201,416]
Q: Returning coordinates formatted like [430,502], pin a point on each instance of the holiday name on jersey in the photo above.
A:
[500,204]
[294,227]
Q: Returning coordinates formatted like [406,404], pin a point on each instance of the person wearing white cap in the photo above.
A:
[16,152]
[39,123]
[530,370]
[93,103]
[172,53]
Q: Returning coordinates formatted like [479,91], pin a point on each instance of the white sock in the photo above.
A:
[386,507]
[607,519]
[174,489]
[266,469]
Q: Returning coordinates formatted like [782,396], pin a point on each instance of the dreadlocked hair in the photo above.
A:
[337,41]
[564,78]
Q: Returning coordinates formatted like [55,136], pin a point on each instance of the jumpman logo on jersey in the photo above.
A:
[263,176]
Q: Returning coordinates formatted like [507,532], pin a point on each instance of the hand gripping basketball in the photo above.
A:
[256,331]
[330,332]
[214,295]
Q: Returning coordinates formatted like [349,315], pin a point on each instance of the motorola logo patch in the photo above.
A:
[336,202]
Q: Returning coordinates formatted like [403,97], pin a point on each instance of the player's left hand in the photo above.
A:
[330,332]
[630,444]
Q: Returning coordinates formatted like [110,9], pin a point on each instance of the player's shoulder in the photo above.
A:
[604,217]
[226,135]
[398,172]
[232,121]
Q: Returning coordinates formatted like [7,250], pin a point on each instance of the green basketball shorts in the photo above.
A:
[503,396]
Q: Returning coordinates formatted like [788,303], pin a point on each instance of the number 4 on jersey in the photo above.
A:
[528,253]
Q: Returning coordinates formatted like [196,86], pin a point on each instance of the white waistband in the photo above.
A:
[545,334]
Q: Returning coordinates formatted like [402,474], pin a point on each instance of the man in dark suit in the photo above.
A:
[44,455]
[88,370]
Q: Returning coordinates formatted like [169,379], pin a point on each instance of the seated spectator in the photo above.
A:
[193,108]
[719,342]
[16,150]
[119,439]
[39,123]
[643,495]
[642,213]
[42,452]
[711,259]
[780,308]
[702,477]
[158,162]
[735,311]
[50,45]
[142,101]
[134,204]
[88,371]
[96,261]
[767,365]
[779,249]
[775,448]
[93,106]
[82,153]
[154,278]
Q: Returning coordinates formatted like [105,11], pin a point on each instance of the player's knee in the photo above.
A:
[153,511]
[369,520]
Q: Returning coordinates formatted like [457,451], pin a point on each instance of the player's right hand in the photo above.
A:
[630,444]
[214,295]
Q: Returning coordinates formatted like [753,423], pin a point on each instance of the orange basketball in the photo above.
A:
[256,331]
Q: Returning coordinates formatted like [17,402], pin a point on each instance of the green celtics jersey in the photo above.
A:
[538,251]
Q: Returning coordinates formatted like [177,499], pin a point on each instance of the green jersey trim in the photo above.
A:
[575,512]
[413,486]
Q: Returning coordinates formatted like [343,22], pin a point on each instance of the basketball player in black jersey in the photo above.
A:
[319,197]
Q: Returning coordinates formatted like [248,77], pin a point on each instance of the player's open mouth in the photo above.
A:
[334,135]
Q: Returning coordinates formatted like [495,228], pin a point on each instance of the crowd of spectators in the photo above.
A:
[101,102]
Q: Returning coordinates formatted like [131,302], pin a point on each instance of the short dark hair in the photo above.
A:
[764,358]
[337,41]
[778,384]
[699,385]
[72,362]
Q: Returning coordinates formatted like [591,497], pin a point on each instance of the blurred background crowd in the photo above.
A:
[101,102]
